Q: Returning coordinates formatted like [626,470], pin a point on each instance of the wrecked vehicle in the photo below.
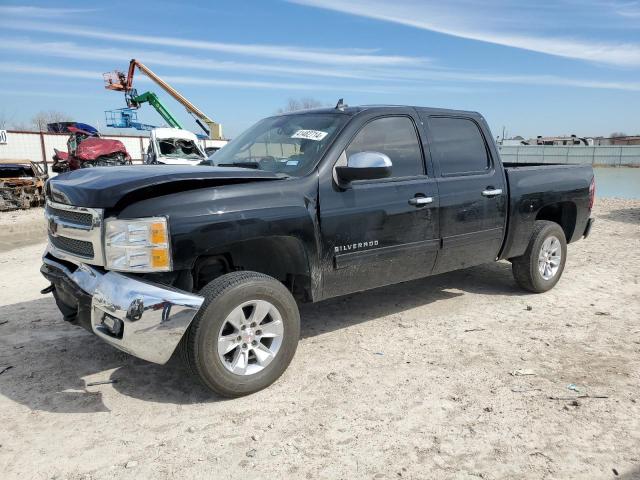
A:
[85,149]
[305,206]
[173,146]
[21,184]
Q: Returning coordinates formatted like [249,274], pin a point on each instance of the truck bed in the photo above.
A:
[532,186]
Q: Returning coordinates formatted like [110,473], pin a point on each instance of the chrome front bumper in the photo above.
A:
[151,318]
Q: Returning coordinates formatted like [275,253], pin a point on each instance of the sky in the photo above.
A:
[544,68]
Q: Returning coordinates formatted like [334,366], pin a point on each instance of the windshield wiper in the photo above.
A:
[252,165]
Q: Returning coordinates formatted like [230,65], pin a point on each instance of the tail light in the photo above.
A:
[592,192]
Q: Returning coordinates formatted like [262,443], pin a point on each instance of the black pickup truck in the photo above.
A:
[213,260]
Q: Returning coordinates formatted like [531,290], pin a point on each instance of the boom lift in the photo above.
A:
[125,118]
[120,82]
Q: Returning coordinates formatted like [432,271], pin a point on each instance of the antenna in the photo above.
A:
[340,105]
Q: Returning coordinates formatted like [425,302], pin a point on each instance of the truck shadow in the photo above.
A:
[624,215]
[342,312]
[53,362]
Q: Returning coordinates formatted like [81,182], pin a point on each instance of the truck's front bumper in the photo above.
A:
[144,319]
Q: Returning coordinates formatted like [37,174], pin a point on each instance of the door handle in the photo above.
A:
[420,201]
[492,192]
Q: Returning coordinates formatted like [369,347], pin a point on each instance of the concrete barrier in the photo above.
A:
[611,156]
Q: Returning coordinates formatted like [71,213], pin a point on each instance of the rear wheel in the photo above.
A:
[244,336]
[542,264]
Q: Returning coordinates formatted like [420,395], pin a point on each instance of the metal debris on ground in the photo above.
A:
[523,372]
[578,396]
[474,330]
[102,382]
[572,386]
[3,322]
[5,369]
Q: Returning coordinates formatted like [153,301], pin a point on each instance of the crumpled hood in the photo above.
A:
[104,187]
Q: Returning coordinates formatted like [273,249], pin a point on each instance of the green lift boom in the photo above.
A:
[134,101]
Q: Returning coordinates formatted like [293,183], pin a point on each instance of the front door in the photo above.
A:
[379,232]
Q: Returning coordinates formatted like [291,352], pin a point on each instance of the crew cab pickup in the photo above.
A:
[214,259]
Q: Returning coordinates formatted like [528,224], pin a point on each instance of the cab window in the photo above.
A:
[397,138]
[458,146]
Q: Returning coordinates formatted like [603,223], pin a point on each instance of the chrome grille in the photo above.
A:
[75,233]
[81,248]
[81,218]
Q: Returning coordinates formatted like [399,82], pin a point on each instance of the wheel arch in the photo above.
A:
[284,258]
[563,213]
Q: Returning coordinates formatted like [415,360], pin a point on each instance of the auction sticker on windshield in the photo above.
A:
[316,135]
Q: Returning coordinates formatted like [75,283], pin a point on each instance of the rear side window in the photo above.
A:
[458,146]
[395,137]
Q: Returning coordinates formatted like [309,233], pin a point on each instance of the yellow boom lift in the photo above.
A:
[120,82]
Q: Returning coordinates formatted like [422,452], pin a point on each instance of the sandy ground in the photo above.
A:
[411,381]
[20,227]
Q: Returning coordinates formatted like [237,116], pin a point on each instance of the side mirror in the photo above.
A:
[365,166]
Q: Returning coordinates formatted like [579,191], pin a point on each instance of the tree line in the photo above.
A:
[37,123]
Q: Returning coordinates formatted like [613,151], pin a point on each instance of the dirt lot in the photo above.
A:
[412,381]
[20,227]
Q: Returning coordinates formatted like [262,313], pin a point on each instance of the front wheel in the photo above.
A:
[542,264]
[245,334]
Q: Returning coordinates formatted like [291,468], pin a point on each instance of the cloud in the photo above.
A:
[627,9]
[541,80]
[40,93]
[278,52]
[393,79]
[40,12]
[75,51]
[24,69]
[489,22]
[10,67]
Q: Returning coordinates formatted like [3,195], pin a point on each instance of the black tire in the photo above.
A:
[525,268]
[222,295]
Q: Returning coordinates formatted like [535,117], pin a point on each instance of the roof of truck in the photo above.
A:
[354,110]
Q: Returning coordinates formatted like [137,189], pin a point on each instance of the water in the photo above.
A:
[618,182]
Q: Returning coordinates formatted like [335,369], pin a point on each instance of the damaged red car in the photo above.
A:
[86,148]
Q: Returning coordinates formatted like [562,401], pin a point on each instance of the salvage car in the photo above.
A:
[173,146]
[305,206]
[86,149]
[21,184]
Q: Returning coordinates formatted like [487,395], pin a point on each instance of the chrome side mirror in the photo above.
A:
[365,166]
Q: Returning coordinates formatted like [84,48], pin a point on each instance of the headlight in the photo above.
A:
[137,245]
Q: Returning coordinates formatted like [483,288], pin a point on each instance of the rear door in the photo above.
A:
[377,232]
[473,197]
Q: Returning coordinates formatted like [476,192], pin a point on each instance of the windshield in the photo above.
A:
[289,144]
[179,148]
[15,171]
